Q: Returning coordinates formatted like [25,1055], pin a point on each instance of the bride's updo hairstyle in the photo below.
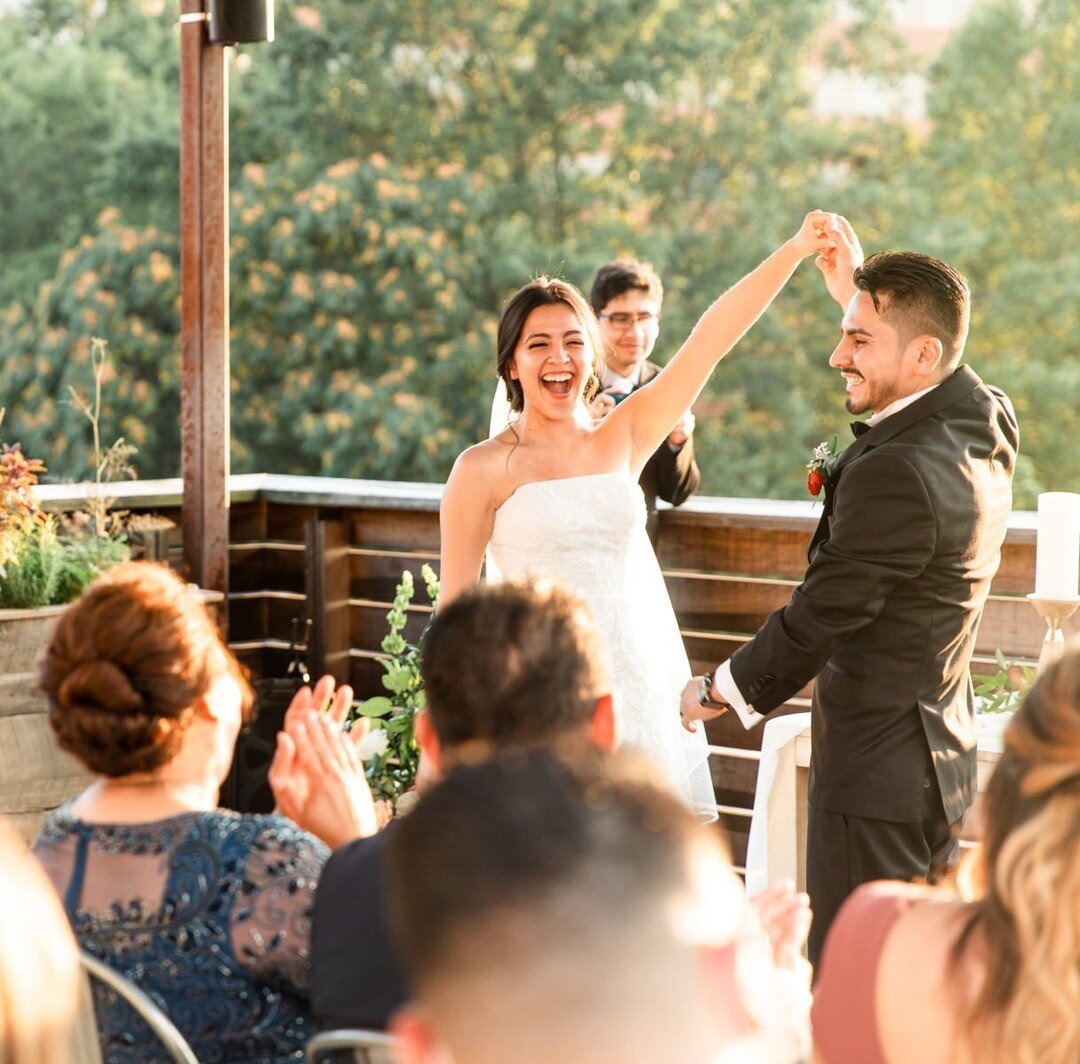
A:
[543,292]
[126,664]
[1025,925]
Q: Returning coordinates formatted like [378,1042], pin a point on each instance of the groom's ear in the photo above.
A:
[929,355]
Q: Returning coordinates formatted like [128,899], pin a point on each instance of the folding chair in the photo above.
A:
[363,1047]
[162,1027]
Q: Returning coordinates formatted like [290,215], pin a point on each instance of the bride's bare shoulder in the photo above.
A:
[485,461]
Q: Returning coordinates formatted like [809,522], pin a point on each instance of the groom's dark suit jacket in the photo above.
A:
[900,567]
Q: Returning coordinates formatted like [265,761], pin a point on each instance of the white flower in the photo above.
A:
[376,742]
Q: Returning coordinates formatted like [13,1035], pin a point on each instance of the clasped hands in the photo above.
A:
[316,775]
[838,252]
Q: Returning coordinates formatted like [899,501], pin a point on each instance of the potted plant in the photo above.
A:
[46,561]
[390,750]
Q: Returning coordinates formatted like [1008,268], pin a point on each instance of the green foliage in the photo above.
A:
[84,559]
[88,117]
[45,561]
[1002,691]
[118,281]
[392,770]
[30,576]
[399,168]
[360,345]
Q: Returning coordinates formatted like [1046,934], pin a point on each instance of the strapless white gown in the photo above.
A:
[589,533]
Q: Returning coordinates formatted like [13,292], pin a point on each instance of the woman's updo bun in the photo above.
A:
[126,664]
[98,684]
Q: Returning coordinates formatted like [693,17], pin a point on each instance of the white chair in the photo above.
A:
[162,1027]
[776,848]
[366,1047]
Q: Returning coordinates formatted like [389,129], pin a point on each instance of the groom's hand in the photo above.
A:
[838,261]
[692,709]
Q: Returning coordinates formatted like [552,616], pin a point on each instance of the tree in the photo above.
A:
[73,142]
[998,176]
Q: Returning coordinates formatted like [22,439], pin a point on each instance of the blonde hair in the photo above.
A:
[1024,931]
[40,981]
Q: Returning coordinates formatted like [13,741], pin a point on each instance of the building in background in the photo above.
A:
[922,28]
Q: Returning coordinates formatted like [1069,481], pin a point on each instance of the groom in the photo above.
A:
[900,566]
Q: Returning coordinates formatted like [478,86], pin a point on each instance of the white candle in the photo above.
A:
[1057,550]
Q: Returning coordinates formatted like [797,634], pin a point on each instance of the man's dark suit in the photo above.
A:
[669,475]
[356,979]
[900,567]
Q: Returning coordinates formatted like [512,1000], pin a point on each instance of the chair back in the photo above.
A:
[359,1047]
[165,1031]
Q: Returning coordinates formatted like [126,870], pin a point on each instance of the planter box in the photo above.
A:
[35,775]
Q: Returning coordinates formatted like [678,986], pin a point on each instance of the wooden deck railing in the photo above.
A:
[335,549]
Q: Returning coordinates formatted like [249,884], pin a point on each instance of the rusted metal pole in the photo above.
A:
[204,294]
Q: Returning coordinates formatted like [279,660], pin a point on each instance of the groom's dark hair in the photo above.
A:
[923,296]
[512,664]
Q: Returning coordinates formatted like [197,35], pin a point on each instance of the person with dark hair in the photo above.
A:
[504,666]
[627,297]
[575,910]
[556,492]
[985,973]
[884,622]
[206,910]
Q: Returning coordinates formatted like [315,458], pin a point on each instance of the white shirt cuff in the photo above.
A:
[724,683]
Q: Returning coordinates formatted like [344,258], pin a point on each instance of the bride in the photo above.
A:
[555,494]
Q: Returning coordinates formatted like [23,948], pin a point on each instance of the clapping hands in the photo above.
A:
[316,775]
[784,915]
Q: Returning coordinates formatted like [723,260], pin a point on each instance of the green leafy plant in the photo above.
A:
[391,752]
[1001,691]
[46,560]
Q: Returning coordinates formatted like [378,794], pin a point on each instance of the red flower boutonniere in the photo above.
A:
[822,465]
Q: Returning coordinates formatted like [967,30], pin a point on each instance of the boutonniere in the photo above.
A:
[822,465]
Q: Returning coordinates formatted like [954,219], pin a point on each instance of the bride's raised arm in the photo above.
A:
[649,413]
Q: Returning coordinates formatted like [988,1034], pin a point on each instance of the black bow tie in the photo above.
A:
[859,427]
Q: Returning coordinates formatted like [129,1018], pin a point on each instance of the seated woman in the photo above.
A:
[39,965]
[208,911]
[992,974]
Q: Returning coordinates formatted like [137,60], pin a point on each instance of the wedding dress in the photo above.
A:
[588,532]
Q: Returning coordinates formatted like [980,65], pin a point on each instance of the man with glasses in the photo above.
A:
[627,296]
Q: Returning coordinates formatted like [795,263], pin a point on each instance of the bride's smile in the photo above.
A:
[553,361]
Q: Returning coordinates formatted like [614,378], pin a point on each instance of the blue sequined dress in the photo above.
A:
[209,913]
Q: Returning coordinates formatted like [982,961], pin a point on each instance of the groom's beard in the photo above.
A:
[872,397]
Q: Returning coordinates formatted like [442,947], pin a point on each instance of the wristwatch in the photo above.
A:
[706,688]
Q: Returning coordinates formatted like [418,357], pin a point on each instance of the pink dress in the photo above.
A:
[844,1014]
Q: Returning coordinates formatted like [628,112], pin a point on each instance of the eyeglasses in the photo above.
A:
[621,321]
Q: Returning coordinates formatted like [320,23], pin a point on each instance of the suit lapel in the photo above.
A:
[648,371]
[963,381]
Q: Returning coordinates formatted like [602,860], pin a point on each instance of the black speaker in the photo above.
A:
[241,21]
[246,788]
